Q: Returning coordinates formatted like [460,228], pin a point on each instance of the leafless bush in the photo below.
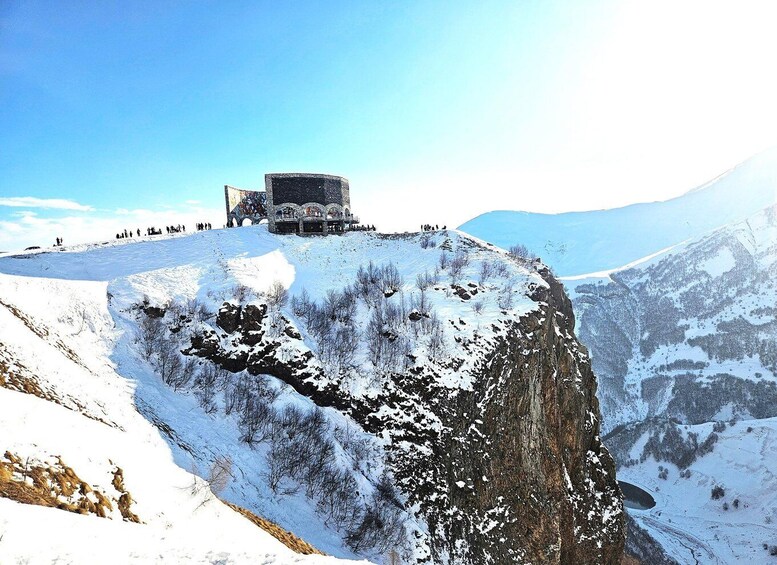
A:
[278,295]
[255,417]
[520,251]
[241,293]
[477,307]
[381,526]
[424,280]
[391,280]
[339,346]
[444,260]
[169,364]
[219,474]
[436,339]
[367,284]
[386,343]
[427,241]
[151,335]
[205,383]
[505,297]
[236,393]
[338,500]
[487,270]
[459,261]
[302,305]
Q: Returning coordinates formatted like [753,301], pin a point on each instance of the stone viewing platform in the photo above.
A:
[299,203]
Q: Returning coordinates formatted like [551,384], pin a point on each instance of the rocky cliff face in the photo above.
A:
[507,469]
[419,395]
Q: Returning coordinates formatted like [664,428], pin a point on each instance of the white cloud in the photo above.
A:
[53,203]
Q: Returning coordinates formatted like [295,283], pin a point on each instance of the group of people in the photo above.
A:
[149,231]
[126,233]
[203,226]
[59,242]
[360,227]
[430,227]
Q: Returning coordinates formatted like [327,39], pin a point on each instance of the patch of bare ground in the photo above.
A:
[286,538]
[53,485]
[630,560]
[125,499]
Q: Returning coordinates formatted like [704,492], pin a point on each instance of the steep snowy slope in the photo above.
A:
[69,422]
[420,395]
[691,333]
[576,243]
[685,347]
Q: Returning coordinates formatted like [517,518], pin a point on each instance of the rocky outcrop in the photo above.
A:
[510,469]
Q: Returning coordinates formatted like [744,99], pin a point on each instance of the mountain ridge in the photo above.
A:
[576,243]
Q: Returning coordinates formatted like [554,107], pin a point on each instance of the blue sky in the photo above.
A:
[139,112]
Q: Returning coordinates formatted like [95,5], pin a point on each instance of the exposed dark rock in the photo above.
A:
[461,292]
[510,470]
[228,317]
[153,311]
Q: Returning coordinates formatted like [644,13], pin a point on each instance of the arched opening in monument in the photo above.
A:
[286,213]
[313,212]
[247,222]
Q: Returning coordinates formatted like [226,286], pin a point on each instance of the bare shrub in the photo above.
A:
[444,261]
[151,334]
[459,261]
[169,364]
[338,500]
[390,279]
[219,474]
[427,241]
[423,281]
[302,305]
[486,271]
[436,347]
[520,251]
[205,383]
[241,293]
[477,307]
[381,526]
[236,393]
[505,297]
[255,417]
[278,295]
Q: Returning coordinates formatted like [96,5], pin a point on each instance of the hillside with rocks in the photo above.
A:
[417,397]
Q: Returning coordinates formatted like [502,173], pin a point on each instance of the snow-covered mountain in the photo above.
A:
[419,397]
[577,243]
[683,344]
[691,333]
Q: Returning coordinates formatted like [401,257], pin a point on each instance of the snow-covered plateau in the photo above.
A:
[391,398]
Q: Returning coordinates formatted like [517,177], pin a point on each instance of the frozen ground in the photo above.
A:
[68,321]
